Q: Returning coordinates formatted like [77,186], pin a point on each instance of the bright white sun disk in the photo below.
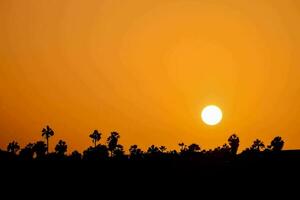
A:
[211,115]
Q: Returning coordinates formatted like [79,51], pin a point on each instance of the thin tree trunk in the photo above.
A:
[47,145]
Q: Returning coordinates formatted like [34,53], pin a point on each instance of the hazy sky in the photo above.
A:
[147,68]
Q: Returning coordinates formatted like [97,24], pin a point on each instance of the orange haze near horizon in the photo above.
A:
[147,68]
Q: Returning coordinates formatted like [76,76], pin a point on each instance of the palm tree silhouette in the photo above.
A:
[96,136]
[61,148]
[47,133]
[234,143]
[13,147]
[112,141]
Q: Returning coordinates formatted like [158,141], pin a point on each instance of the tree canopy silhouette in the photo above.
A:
[276,144]
[112,141]
[113,150]
[194,148]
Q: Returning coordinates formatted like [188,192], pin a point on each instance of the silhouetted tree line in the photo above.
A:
[112,150]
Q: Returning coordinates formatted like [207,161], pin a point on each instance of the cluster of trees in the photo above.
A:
[113,150]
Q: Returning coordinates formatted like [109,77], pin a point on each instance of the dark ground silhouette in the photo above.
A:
[107,163]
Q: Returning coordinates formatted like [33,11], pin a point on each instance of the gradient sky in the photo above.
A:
[147,68]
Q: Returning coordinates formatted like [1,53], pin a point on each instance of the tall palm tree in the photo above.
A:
[96,136]
[47,133]
[13,147]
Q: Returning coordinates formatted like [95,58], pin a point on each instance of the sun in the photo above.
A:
[211,115]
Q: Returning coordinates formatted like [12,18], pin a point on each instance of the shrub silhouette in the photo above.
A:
[194,148]
[75,156]
[100,152]
[27,152]
[135,152]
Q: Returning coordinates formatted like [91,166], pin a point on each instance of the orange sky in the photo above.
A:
[147,68]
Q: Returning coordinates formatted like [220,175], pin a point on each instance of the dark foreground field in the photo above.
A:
[261,170]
